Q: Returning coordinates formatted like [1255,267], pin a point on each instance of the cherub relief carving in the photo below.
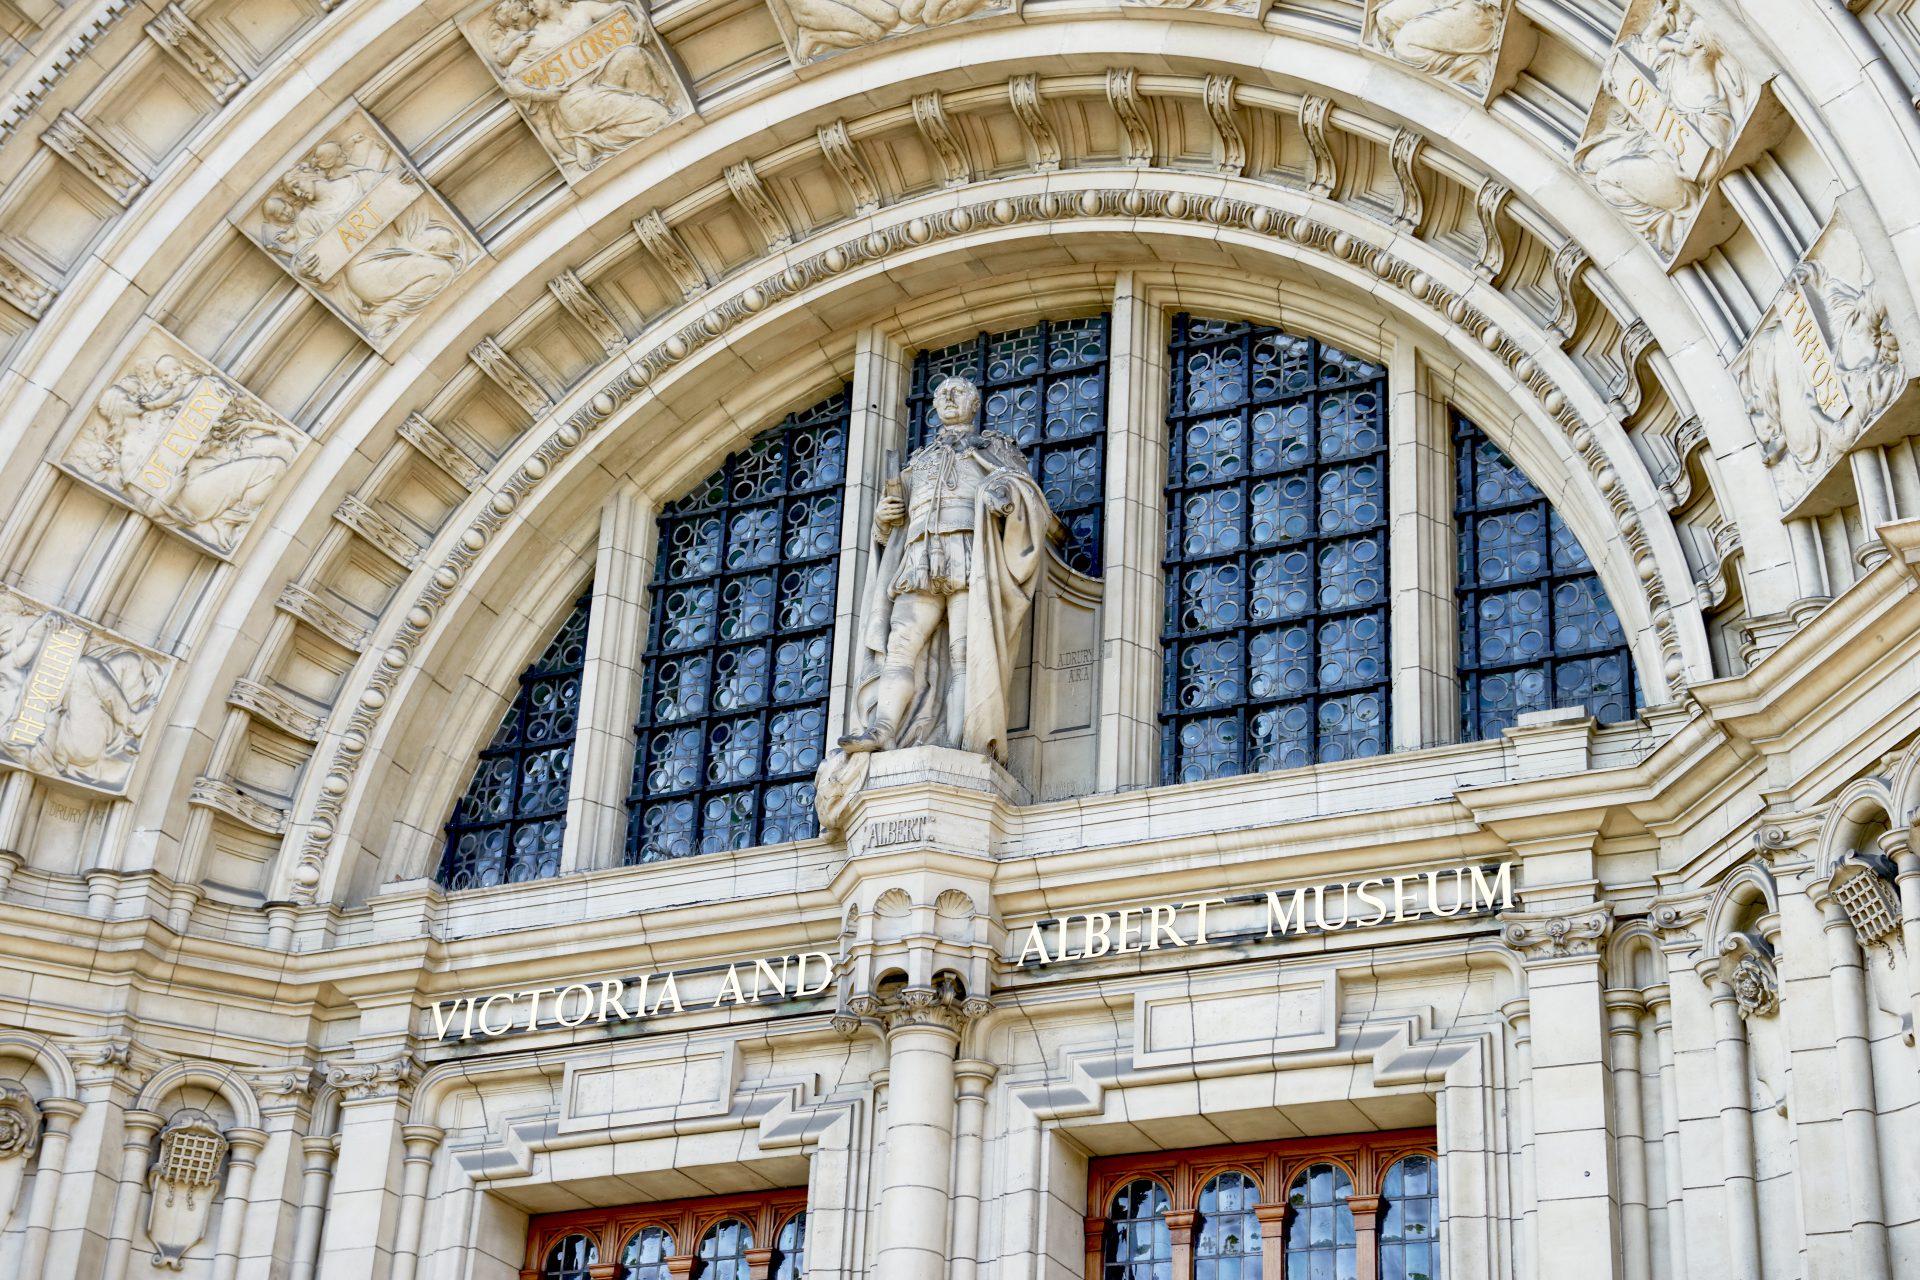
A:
[185,447]
[353,222]
[590,77]
[1671,103]
[76,702]
[1454,40]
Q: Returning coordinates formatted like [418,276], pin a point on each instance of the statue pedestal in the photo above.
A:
[856,792]
[943,767]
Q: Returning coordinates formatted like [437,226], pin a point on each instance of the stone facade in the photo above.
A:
[345,343]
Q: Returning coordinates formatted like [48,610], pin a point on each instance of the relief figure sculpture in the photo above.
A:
[76,703]
[1673,102]
[350,223]
[961,540]
[1451,39]
[585,73]
[184,449]
[821,26]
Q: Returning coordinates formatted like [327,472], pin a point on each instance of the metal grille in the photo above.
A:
[1409,1225]
[1276,558]
[509,825]
[723,1250]
[1536,627]
[1138,1245]
[733,718]
[1046,386]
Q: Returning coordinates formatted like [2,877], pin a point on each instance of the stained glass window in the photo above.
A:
[723,1251]
[790,1249]
[509,825]
[1228,1244]
[1276,616]
[1409,1225]
[1046,386]
[1138,1245]
[1536,627]
[1320,1237]
[733,717]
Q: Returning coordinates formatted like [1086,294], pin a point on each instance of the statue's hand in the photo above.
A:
[999,498]
[888,515]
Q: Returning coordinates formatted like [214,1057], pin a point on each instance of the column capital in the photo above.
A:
[943,1006]
[244,1145]
[1624,1007]
[140,1126]
[1519,1016]
[61,1113]
[1568,934]
[386,1079]
[422,1140]
[974,1076]
[1659,998]
[318,1153]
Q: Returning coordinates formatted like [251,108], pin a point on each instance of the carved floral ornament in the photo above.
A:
[1748,969]
[19,1121]
[1557,935]
[781,281]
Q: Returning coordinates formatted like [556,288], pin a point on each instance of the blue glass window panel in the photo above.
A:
[736,671]
[509,824]
[1536,628]
[1276,560]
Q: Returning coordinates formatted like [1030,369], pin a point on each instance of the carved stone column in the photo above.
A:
[1520,1088]
[1624,1007]
[422,1141]
[1660,1004]
[316,1176]
[60,1113]
[363,1208]
[243,1154]
[1573,1165]
[969,1141]
[1736,1128]
[137,1131]
[1859,1109]
[923,1026]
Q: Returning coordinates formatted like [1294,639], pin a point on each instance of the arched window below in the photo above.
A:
[1536,628]
[1276,555]
[510,823]
[571,1259]
[790,1249]
[1138,1245]
[645,1256]
[723,1251]
[1227,1243]
[733,717]
[1320,1238]
[1409,1220]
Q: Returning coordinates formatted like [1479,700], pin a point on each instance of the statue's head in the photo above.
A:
[956,401]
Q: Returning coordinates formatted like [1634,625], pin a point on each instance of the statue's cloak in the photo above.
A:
[1009,554]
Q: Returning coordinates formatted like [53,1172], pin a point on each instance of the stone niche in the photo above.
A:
[1055,695]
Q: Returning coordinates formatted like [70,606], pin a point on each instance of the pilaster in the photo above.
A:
[1422,568]
[877,423]
[364,1203]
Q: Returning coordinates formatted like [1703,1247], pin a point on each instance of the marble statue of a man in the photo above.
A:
[961,540]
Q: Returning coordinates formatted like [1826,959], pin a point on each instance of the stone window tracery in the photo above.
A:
[1536,628]
[1046,386]
[733,716]
[1326,1208]
[1276,555]
[510,823]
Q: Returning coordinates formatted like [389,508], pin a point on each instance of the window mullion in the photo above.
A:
[1134,521]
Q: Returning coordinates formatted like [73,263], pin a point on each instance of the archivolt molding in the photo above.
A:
[1659,600]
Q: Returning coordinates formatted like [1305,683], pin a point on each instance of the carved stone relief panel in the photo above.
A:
[76,700]
[816,29]
[590,78]
[184,1179]
[1456,41]
[353,221]
[1672,107]
[1236,8]
[184,445]
[1822,367]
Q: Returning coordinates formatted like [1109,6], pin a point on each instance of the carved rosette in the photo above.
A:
[1557,935]
[19,1122]
[1747,967]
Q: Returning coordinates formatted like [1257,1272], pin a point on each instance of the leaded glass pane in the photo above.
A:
[733,719]
[1276,629]
[509,825]
[1138,1245]
[1319,1233]
[723,1250]
[1536,628]
[790,1249]
[1046,386]
[571,1259]
[646,1254]
[1227,1243]
[1410,1220]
